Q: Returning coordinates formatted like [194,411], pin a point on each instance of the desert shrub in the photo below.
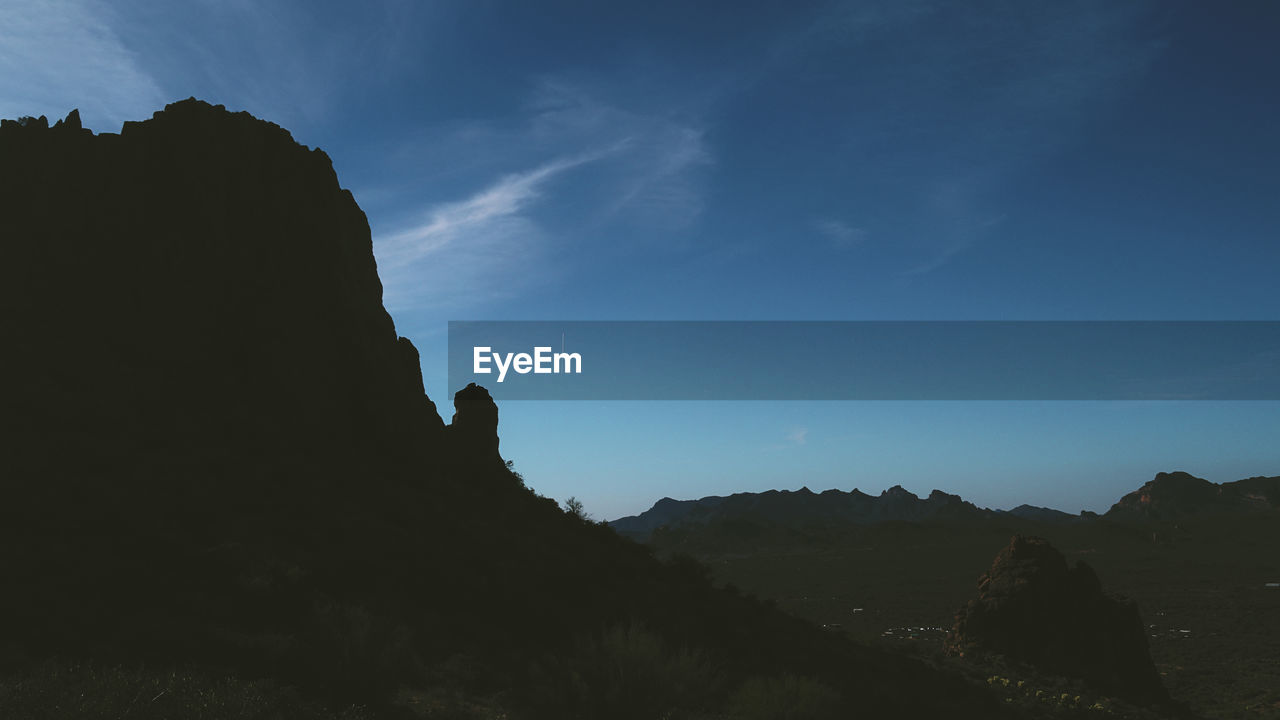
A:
[789,697]
[357,654]
[627,673]
[60,690]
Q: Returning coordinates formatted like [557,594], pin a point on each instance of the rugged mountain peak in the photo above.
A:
[71,122]
[25,123]
[897,491]
[1044,514]
[223,281]
[1169,496]
[1179,481]
[1035,608]
[938,496]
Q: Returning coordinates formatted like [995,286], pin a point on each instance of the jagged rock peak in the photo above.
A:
[71,122]
[899,492]
[27,123]
[210,258]
[475,423]
[474,405]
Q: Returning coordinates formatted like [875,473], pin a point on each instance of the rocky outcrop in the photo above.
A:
[474,429]
[232,296]
[1034,608]
[1170,496]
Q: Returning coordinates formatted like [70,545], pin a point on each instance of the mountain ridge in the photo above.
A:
[1167,496]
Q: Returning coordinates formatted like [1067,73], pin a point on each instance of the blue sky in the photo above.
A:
[762,161]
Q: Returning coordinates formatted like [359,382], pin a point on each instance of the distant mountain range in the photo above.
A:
[1167,496]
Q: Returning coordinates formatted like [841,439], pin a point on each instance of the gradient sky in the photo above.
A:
[762,161]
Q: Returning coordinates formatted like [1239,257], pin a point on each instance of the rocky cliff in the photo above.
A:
[197,280]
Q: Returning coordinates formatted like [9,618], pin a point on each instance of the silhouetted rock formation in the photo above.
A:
[1049,515]
[474,428]
[1033,608]
[72,121]
[1170,496]
[200,267]
[217,453]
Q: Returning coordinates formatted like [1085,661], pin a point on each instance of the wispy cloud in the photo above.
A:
[620,168]
[123,61]
[276,60]
[263,57]
[956,239]
[656,174]
[445,223]
[55,56]
[841,234]
[477,249]
[840,23]
[793,438]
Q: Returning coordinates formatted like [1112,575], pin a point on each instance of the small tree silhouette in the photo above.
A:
[573,506]
[511,468]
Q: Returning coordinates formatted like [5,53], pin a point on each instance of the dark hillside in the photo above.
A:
[219,456]
[1205,585]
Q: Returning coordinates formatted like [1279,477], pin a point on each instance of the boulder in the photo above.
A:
[1033,607]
